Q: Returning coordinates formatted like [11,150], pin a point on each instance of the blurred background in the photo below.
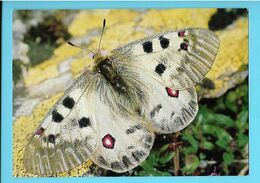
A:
[216,143]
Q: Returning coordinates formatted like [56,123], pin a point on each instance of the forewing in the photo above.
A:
[66,138]
[177,59]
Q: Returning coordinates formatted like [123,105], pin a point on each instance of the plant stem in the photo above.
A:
[176,158]
[176,162]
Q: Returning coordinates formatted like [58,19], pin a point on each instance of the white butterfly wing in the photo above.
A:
[89,122]
[169,65]
[170,110]
[67,136]
[178,59]
[123,139]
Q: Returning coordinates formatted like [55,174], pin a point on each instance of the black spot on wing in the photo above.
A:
[155,110]
[130,147]
[148,139]
[147,146]
[102,160]
[133,129]
[51,138]
[160,68]
[126,161]
[193,105]
[164,42]
[84,122]
[138,155]
[148,46]
[68,102]
[178,120]
[57,117]
[180,70]
[172,114]
[186,113]
[186,40]
[116,165]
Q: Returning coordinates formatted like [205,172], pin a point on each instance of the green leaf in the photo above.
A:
[208,129]
[189,150]
[223,120]
[242,91]
[202,156]
[159,173]
[189,137]
[222,134]
[228,158]
[203,115]
[218,132]
[223,143]
[242,140]
[149,163]
[191,163]
[231,101]
[163,148]
[207,145]
[242,120]
[167,157]
[143,173]
[220,105]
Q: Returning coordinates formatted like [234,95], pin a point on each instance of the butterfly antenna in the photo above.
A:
[70,43]
[103,28]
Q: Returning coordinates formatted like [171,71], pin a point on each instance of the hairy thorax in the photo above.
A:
[104,66]
[126,93]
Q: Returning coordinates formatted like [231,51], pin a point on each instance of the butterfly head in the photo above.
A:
[98,57]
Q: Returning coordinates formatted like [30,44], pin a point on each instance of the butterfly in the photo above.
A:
[112,112]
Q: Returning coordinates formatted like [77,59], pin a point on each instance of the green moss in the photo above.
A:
[17,70]
[44,38]
[39,52]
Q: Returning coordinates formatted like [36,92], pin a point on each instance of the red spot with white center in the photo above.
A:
[39,131]
[108,141]
[172,93]
[181,33]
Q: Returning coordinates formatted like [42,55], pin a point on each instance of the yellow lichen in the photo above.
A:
[85,21]
[88,20]
[123,34]
[23,128]
[171,19]
[65,51]
[36,74]
[79,64]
